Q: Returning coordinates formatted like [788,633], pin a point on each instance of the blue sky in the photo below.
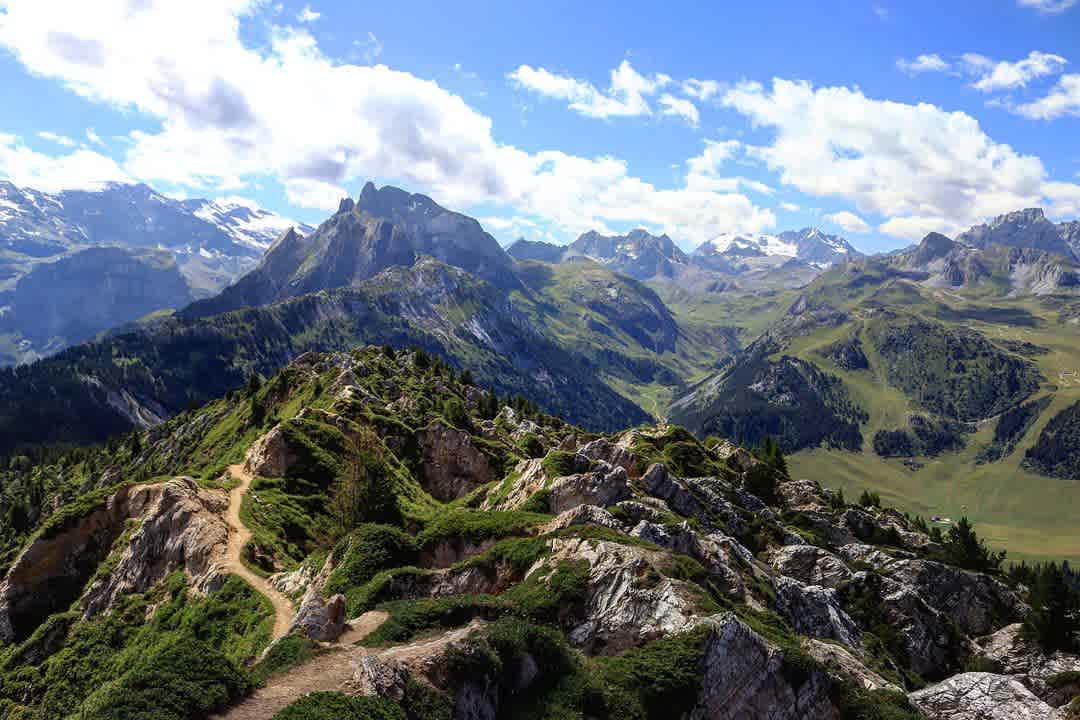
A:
[880,121]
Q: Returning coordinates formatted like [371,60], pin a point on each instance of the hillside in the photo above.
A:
[70,300]
[950,388]
[440,555]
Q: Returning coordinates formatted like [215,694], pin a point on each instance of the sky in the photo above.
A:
[880,121]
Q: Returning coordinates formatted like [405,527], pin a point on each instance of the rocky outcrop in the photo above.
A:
[184,528]
[320,619]
[181,527]
[746,677]
[628,601]
[452,466]
[980,696]
[811,565]
[814,611]
[270,455]
[603,486]
[840,661]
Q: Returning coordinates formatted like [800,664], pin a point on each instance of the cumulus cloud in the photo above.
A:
[80,170]
[231,112]
[1062,100]
[916,165]
[680,107]
[848,221]
[789,206]
[1049,7]
[58,139]
[995,76]
[625,96]
[307,15]
[923,64]
[93,137]
[703,90]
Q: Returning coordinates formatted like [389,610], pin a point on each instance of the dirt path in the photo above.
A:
[239,535]
[334,669]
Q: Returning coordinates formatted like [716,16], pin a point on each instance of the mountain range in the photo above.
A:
[822,361]
[723,263]
[58,238]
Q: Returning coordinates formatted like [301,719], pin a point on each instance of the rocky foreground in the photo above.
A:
[501,564]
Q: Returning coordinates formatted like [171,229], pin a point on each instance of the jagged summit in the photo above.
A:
[639,253]
[382,228]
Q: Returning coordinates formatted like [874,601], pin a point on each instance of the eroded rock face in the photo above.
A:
[980,696]
[839,660]
[529,478]
[811,565]
[976,603]
[453,465]
[320,619]
[183,528]
[611,453]
[814,611]
[1012,654]
[628,602]
[270,455]
[603,486]
[745,678]
[723,557]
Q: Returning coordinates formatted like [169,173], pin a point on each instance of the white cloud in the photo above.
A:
[703,90]
[923,64]
[307,15]
[93,137]
[916,227]
[625,97]
[58,139]
[231,113]
[79,170]
[1049,7]
[914,164]
[849,221]
[789,206]
[680,107]
[1062,100]
[995,76]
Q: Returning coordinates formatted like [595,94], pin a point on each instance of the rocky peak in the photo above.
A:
[1027,228]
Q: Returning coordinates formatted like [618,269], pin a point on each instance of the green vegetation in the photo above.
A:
[336,706]
[1054,620]
[1011,427]
[954,373]
[1055,452]
[181,662]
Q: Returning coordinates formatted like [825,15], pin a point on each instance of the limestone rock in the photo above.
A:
[745,677]
[453,465]
[270,455]
[184,528]
[842,662]
[814,611]
[320,619]
[628,602]
[603,486]
[811,565]
[980,696]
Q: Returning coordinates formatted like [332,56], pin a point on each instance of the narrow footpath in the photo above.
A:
[239,535]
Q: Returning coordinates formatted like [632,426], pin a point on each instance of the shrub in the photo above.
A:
[368,550]
[183,679]
[337,706]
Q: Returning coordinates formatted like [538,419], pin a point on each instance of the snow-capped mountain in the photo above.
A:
[728,251]
[213,241]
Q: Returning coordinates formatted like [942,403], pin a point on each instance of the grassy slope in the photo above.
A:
[1029,514]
